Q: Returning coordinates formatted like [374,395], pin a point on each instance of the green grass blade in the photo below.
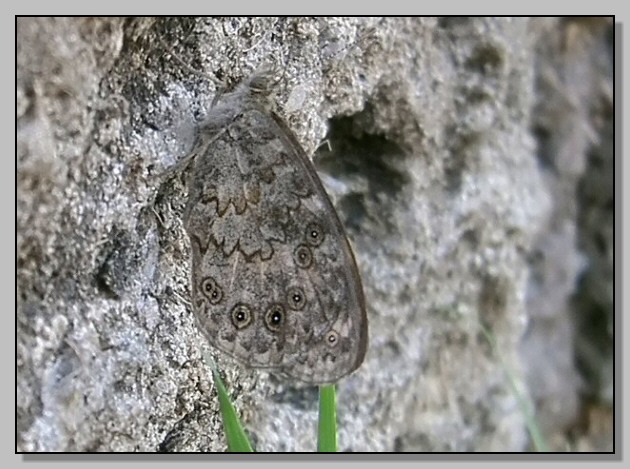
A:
[234,433]
[327,442]
[532,427]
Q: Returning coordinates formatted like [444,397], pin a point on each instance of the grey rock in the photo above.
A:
[452,149]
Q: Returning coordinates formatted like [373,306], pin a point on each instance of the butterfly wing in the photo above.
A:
[274,281]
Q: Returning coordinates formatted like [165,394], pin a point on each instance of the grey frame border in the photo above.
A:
[417,457]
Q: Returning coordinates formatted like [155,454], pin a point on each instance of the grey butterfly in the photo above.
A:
[274,280]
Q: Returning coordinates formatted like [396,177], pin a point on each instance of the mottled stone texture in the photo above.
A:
[470,161]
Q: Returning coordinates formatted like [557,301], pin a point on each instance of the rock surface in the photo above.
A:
[470,159]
